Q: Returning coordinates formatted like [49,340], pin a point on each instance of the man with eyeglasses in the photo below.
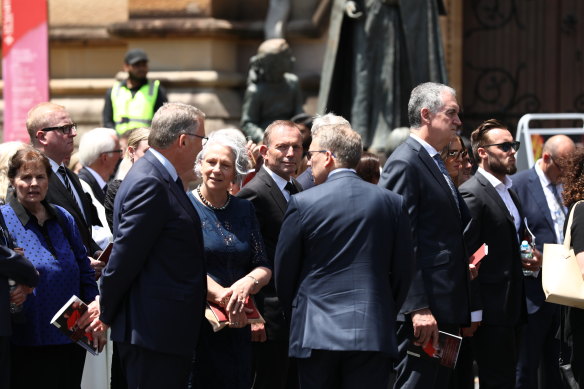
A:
[540,192]
[99,154]
[270,191]
[498,221]
[153,289]
[343,266]
[52,131]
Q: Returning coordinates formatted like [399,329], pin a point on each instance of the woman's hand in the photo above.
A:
[237,320]
[241,289]
[258,332]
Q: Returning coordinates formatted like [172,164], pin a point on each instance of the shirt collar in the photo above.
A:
[542,177]
[494,180]
[54,165]
[427,146]
[23,214]
[100,181]
[277,179]
[165,162]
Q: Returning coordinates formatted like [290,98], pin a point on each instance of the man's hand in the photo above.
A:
[425,328]
[469,331]
[97,266]
[19,293]
[474,270]
[89,321]
[258,332]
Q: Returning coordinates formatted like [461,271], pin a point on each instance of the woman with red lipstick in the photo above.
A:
[50,239]
[236,262]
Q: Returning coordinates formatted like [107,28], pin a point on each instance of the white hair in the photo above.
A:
[234,140]
[95,142]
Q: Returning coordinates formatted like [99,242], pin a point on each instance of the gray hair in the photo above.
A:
[326,120]
[342,141]
[171,120]
[234,140]
[426,95]
[95,142]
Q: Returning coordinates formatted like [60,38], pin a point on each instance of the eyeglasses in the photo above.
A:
[204,139]
[454,154]
[119,151]
[506,146]
[310,152]
[66,129]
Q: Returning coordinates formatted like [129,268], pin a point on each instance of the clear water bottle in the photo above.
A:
[526,256]
[13,307]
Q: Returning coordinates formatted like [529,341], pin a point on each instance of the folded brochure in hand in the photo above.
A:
[66,321]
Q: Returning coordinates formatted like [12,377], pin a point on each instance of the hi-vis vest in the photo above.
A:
[133,112]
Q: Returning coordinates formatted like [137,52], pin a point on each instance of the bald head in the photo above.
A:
[555,150]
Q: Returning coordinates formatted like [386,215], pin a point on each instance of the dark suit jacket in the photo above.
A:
[86,176]
[441,282]
[539,220]
[344,275]
[59,195]
[270,206]
[153,289]
[500,277]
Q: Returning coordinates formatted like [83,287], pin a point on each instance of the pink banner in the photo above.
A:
[25,62]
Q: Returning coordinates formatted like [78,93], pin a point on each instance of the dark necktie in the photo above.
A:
[291,188]
[444,172]
[63,174]
[104,189]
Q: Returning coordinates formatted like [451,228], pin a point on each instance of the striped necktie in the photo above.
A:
[63,174]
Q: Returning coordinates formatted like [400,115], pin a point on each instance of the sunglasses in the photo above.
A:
[453,154]
[66,129]
[506,146]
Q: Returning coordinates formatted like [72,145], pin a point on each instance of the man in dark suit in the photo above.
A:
[342,276]
[439,298]
[16,267]
[497,220]
[51,130]
[270,191]
[153,288]
[99,154]
[539,190]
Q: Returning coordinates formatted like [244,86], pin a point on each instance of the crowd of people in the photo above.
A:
[339,283]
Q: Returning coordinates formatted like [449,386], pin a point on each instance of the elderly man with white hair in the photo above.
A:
[99,153]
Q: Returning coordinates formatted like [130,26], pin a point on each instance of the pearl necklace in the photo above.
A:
[208,203]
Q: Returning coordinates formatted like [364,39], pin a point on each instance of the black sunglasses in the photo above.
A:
[506,146]
[456,153]
[66,129]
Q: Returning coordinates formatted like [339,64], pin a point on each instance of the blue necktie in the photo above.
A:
[444,172]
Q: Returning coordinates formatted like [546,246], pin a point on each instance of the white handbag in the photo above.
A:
[561,276]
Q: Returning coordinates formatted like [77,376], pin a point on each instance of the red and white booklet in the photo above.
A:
[479,254]
[446,354]
[219,318]
[66,321]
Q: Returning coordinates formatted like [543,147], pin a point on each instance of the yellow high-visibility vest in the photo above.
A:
[133,112]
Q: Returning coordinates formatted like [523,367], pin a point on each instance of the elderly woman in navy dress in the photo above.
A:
[236,262]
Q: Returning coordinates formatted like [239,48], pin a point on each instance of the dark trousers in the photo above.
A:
[416,372]
[4,361]
[496,350]
[540,348]
[463,375]
[326,369]
[273,369]
[118,379]
[146,368]
[58,366]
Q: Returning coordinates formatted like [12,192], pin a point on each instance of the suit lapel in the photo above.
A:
[56,183]
[431,166]
[273,190]
[539,197]
[492,192]
[179,194]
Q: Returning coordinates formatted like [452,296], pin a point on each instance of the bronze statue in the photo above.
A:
[378,50]
[272,92]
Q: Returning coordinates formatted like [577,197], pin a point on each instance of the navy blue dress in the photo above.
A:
[233,248]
